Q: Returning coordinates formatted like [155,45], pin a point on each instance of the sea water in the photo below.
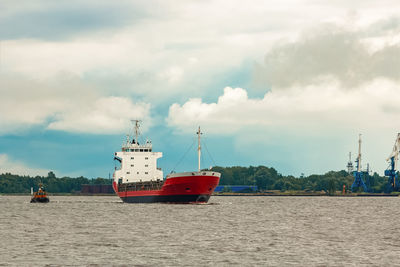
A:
[242,231]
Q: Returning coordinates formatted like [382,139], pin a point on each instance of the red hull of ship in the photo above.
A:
[178,189]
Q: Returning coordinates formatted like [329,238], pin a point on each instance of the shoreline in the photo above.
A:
[305,195]
[268,194]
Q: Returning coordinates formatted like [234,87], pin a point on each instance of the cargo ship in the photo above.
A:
[139,180]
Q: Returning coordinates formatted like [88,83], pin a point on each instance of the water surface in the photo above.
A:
[268,231]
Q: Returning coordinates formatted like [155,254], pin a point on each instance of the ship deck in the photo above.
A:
[141,186]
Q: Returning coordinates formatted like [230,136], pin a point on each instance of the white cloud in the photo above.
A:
[104,115]
[315,109]
[66,103]
[301,129]
[132,59]
[326,86]
[17,167]
[173,74]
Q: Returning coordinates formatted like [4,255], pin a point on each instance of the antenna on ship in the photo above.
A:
[199,146]
[137,126]
[128,139]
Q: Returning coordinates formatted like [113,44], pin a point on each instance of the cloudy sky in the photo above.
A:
[286,84]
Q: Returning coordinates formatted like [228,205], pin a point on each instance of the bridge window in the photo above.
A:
[132,157]
[132,165]
[146,173]
[146,158]
[128,172]
[146,165]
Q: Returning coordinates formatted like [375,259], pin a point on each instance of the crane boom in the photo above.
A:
[358,174]
[391,171]
[395,152]
[359,154]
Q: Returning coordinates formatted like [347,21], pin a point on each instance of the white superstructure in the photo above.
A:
[138,161]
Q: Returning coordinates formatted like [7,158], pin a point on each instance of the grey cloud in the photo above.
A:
[386,26]
[186,45]
[327,52]
[60,20]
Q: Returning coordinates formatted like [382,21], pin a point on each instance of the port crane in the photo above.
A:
[350,165]
[358,173]
[391,171]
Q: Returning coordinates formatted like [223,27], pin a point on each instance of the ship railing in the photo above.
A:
[140,186]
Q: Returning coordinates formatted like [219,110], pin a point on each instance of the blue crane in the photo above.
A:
[391,171]
[358,174]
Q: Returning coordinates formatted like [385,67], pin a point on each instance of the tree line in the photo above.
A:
[12,183]
[265,178]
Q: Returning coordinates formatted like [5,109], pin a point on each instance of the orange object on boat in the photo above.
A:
[40,195]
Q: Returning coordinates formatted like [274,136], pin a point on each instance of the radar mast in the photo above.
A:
[199,133]
[137,126]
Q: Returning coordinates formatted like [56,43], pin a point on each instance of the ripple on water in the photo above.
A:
[272,231]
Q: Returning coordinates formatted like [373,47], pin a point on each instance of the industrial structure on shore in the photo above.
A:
[359,175]
[361,180]
[391,172]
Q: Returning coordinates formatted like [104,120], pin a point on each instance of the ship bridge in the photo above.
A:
[136,147]
[138,161]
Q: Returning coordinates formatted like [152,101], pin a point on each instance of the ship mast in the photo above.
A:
[199,147]
[137,125]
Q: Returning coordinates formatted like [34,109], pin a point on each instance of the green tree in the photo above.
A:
[331,187]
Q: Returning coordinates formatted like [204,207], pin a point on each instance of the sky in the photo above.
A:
[284,84]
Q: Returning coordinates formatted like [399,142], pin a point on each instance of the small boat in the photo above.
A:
[40,195]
